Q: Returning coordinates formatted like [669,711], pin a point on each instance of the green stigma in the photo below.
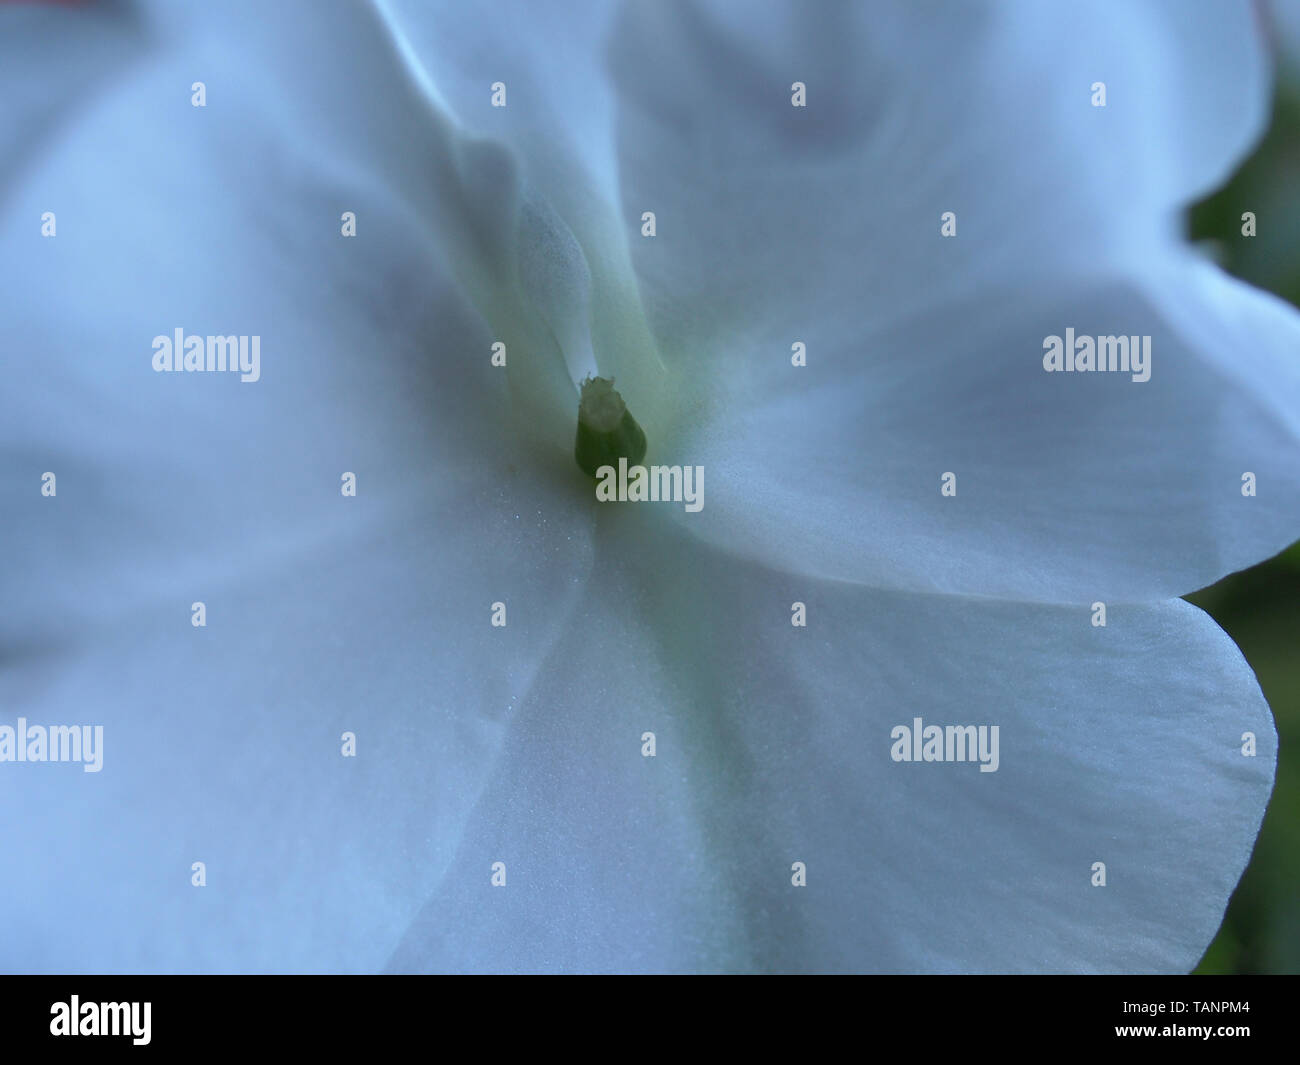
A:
[606,429]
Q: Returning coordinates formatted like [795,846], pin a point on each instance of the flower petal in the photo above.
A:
[1069,486]
[43,87]
[557,106]
[529,78]
[1284,20]
[1119,744]
[371,362]
[325,613]
[815,231]
[773,214]
[226,745]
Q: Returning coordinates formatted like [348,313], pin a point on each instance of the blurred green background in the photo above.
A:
[1260,607]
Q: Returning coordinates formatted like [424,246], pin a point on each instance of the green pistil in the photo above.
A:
[606,429]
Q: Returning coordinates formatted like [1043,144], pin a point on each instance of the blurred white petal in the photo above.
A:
[82,51]
[1284,21]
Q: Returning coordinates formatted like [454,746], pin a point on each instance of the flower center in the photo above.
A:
[606,429]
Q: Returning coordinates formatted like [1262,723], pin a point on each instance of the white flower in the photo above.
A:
[521,225]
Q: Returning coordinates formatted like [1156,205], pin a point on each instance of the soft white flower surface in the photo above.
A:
[523,745]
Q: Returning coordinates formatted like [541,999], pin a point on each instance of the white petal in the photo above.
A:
[557,107]
[224,745]
[818,229]
[324,613]
[567,252]
[370,361]
[1120,745]
[84,50]
[773,214]
[1069,486]
[1284,19]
